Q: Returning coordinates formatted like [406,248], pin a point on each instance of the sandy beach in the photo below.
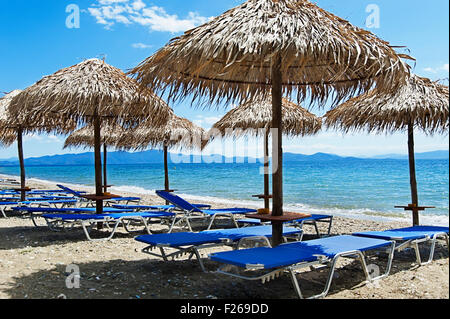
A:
[33,265]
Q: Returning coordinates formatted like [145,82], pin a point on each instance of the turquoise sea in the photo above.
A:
[361,188]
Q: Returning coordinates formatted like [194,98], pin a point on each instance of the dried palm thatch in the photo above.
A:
[256,115]
[289,46]
[230,58]
[420,103]
[7,135]
[84,137]
[12,129]
[10,125]
[176,132]
[87,90]
[90,92]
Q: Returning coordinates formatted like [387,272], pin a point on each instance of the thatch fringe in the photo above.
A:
[9,125]
[421,101]
[255,117]
[84,137]
[176,132]
[88,89]
[229,58]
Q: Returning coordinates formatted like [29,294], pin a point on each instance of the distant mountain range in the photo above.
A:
[155,157]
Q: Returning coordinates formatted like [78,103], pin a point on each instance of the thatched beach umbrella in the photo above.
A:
[84,137]
[91,92]
[420,104]
[176,132]
[255,118]
[264,46]
[12,130]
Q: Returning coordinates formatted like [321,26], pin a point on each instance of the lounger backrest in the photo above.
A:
[68,190]
[177,201]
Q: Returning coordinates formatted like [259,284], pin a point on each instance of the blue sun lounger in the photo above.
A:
[290,257]
[192,212]
[191,243]
[411,237]
[117,199]
[39,203]
[35,212]
[157,207]
[314,219]
[88,221]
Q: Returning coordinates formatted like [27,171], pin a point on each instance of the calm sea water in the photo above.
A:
[347,187]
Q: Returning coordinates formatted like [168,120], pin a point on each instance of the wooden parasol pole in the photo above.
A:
[22,164]
[266,170]
[277,150]
[412,173]
[166,170]
[105,179]
[98,163]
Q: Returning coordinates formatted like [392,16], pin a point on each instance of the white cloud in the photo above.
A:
[110,12]
[141,46]
[444,67]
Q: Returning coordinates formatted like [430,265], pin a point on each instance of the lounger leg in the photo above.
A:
[329,227]
[188,224]
[3,211]
[417,251]
[83,224]
[317,228]
[199,258]
[329,280]
[295,283]
[211,222]
[433,247]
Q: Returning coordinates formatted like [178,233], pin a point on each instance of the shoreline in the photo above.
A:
[364,214]
[34,261]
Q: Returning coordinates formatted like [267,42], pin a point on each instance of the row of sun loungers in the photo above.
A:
[257,263]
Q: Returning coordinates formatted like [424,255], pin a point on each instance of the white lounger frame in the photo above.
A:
[414,244]
[37,204]
[322,260]
[186,216]
[193,250]
[59,224]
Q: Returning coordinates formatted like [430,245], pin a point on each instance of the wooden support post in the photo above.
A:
[277,150]
[412,174]
[98,163]
[266,170]
[105,178]
[22,164]
[166,170]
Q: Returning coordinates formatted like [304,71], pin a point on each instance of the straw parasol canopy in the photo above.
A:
[256,115]
[7,134]
[176,132]
[255,118]
[90,92]
[277,46]
[12,130]
[419,104]
[84,137]
[231,57]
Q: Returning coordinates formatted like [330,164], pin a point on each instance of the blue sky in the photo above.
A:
[37,41]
